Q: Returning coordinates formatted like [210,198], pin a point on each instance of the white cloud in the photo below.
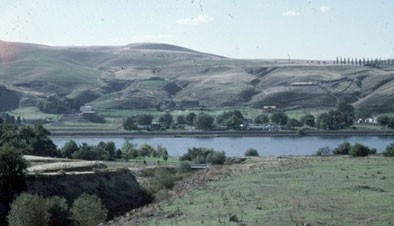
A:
[201,19]
[324,8]
[291,13]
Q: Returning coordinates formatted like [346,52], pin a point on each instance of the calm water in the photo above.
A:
[177,146]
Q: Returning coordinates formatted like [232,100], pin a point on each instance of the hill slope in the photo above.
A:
[147,74]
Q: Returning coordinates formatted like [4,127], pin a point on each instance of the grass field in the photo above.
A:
[293,191]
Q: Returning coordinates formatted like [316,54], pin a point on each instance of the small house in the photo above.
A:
[86,108]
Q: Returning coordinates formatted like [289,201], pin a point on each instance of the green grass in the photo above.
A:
[32,113]
[314,190]
[153,84]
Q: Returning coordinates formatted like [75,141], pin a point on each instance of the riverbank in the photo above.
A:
[286,133]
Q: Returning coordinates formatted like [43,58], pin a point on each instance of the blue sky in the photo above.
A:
[304,29]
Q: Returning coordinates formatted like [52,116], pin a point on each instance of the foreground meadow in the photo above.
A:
[282,191]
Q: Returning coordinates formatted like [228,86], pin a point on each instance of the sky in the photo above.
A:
[301,29]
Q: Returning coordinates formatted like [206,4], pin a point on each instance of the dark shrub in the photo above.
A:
[342,149]
[251,152]
[216,157]
[184,167]
[58,211]
[324,151]
[204,155]
[389,151]
[88,210]
[359,150]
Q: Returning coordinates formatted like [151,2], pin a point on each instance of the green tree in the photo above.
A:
[342,149]
[88,210]
[69,148]
[129,124]
[261,119]
[190,118]
[359,150]
[129,151]
[383,120]
[181,120]
[204,121]
[308,120]
[12,171]
[251,152]
[334,120]
[279,118]
[145,150]
[145,119]
[166,120]
[234,122]
[294,123]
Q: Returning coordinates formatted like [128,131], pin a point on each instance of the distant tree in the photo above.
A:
[251,152]
[261,119]
[145,150]
[88,210]
[359,150]
[165,155]
[181,120]
[1,120]
[391,123]
[294,123]
[69,148]
[204,121]
[279,118]
[190,118]
[129,151]
[18,120]
[344,107]
[145,119]
[383,120]
[129,124]
[337,61]
[166,120]
[334,120]
[342,149]
[308,120]
[160,150]
[234,122]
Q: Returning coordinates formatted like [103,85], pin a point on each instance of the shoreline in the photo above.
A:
[208,134]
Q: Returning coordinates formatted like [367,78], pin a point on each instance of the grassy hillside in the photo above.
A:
[140,76]
[290,191]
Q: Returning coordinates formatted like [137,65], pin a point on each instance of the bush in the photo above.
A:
[88,210]
[359,150]
[58,211]
[204,155]
[251,152]
[324,151]
[184,167]
[389,151]
[342,149]
[216,157]
[29,210]
[164,178]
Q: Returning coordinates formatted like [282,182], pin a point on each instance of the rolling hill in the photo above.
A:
[143,75]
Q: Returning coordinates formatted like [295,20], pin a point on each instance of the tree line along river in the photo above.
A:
[236,146]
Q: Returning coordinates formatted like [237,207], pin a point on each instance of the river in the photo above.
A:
[236,146]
